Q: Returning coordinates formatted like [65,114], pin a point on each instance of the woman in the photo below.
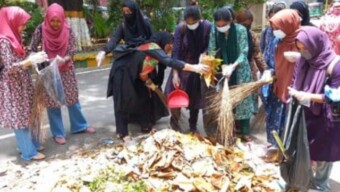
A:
[274,121]
[191,40]
[232,40]
[255,58]
[267,36]
[303,11]
[16,87]
[285,25]
[131,70]
[330,23]
[318,65]
[134,27]
[58,41]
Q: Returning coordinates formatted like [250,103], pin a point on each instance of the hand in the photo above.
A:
[60,60]
[100,58]
[200,68]
[227,70]
[267,75]
[301,96]
[38,57]
[176,81]
[292,56]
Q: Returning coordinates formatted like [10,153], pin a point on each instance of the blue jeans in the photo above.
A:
[28,145]
[77,120]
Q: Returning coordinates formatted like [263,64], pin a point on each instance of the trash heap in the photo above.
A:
[170,161]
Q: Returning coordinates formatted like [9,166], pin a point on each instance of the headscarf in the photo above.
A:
[162,38]
[55,42]
[311,74]
[241,17]
[303,10]
[288,21]
[11,18]
[330,23]
[136,28]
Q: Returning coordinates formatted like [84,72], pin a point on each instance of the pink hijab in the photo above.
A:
[331,25]
[11,18]
[55,42]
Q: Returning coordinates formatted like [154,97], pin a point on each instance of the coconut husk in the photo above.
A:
[37,117]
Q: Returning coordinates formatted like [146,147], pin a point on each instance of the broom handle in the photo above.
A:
[280,144]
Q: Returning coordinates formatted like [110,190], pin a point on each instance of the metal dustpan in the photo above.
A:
[178,99]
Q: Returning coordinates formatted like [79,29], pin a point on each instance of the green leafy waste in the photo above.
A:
[110,177]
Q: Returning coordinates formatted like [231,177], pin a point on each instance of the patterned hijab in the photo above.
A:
[288,21]
[11,18]
[311,74]
[55,42]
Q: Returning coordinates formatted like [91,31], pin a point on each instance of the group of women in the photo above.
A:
[144,56]
[304,77]
[57,42]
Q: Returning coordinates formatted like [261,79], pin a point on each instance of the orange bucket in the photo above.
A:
[178,99]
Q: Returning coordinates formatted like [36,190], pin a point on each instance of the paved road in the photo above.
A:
[99,112]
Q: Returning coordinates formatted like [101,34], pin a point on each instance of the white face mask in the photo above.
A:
[224,28]
[279,34]
[306,54]
[193,26]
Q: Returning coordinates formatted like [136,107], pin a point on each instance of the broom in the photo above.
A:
[240,92]
[222,108]
[37,114]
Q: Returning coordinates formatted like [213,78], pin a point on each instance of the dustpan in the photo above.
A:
[178,99]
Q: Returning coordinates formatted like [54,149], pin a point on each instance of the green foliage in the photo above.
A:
[97,24]
[116,180]
[115,14]
[36,19]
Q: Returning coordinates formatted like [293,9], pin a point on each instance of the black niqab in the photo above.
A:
[135,26]
[303,10]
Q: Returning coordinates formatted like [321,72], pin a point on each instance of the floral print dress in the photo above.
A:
[68,77]
[16,89]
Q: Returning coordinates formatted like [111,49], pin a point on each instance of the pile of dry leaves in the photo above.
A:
[171,161]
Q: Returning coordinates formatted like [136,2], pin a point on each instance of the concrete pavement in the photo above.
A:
[99,112]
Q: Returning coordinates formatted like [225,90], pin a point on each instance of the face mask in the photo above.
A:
[193,26]
[223,29]
[128,17]
[306,54]
[279,34]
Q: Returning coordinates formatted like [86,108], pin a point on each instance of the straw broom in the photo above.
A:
[222,109]
[240,92]
[37,113]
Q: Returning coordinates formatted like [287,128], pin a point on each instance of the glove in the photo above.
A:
[301,96]
[60,60]
[227,70]
[267,75]
[176,81]
[100,58]
[200,68]
[332,94]
[38,57]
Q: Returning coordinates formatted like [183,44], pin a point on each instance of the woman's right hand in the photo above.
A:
[176,81]
[200,68]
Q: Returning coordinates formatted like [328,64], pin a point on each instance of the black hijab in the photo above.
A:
[136,27]
[162,38]
[303,11]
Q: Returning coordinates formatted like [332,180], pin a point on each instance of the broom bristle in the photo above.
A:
[240,92]
[37,115]
[259,121]
[221,107]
